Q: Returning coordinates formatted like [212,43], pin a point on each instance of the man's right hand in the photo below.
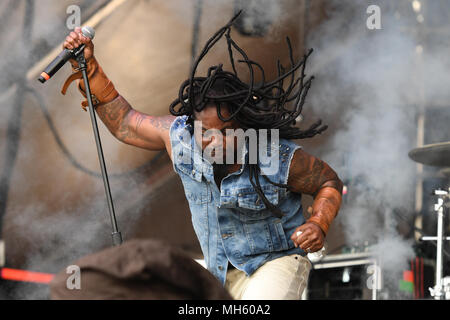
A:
[76,39]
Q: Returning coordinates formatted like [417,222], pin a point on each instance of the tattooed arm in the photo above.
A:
[313,176]
[134,127]
[125,123]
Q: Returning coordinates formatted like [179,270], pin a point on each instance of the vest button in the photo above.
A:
[220,268]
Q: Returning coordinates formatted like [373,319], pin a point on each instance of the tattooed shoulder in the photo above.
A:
[156,122]
[163,122]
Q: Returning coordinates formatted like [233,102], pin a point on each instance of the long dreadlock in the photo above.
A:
[266,105]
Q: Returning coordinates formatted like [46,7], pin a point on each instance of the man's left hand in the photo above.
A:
[311,239]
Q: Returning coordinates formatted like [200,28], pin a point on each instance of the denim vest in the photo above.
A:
[232,224]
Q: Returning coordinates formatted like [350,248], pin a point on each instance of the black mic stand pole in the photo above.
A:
[82,66]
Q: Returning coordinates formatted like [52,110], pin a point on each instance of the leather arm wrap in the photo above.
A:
[325,208]
[102,89]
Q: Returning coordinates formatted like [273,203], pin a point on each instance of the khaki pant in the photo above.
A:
[284,278]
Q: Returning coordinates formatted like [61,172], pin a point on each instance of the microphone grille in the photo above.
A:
[88,32]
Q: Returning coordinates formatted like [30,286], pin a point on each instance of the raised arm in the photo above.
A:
[313,176]
[125,123]
[133,127]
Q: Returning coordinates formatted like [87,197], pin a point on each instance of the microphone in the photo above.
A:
[64,56]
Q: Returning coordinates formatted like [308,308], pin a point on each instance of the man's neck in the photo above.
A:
[222,170]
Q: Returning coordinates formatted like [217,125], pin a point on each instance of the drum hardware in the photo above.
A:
[438,291]
[437,155]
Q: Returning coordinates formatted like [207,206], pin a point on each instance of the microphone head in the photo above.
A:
[88,32]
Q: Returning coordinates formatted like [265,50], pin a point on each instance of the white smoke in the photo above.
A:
[38,237]
[369,89]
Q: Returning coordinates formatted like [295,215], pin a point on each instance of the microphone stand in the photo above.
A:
[441,289]
[82,66]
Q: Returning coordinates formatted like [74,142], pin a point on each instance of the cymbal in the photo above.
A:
[445,172]
[436,154]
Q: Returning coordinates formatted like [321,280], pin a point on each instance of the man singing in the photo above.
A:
[248,219]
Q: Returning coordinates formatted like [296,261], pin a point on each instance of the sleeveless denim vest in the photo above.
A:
[232,224]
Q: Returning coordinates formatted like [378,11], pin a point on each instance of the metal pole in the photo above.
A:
[116,235]
[439,247]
